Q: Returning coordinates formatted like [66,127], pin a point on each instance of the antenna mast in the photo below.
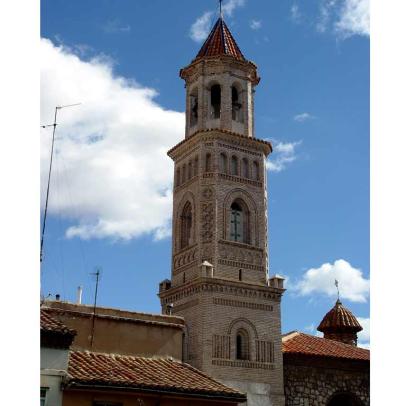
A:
[50,170]
[97,274]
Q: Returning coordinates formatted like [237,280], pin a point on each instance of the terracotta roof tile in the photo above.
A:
[305,344]
[220,42]
[339,319]
[50,324]
[112,370]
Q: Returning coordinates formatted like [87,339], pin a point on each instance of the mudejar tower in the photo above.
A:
[220,281]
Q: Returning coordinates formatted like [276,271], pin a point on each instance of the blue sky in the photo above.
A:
[111,191]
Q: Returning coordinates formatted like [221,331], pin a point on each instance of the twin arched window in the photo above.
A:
[215,104]
[186,226]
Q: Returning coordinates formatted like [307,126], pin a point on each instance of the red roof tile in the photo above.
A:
[220,42]
[339,319]
[112,370]
[305,344]
[50,324]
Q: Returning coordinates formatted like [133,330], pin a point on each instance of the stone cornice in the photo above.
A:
[219,134]
[236,288]
[200,65]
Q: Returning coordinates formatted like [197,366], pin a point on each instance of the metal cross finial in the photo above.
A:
[338,291]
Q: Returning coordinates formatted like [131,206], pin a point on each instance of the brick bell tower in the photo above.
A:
[220,281]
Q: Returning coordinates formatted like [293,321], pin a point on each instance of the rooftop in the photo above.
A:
[305,344]
[90,369]
[220,42]
[339,319]
[50,324]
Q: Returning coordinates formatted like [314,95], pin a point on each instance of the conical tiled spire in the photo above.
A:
[220,42]
[340,324]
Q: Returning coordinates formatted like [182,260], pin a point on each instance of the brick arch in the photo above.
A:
[244,324]
[344,399]
[241,194]
[187,197]
[238,325]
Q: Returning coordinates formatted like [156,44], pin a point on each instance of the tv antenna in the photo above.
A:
[97,274]
[57,108]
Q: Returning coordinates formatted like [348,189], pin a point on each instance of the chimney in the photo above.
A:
[79,295]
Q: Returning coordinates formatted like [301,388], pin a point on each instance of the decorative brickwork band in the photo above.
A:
[237,303]
[242,364]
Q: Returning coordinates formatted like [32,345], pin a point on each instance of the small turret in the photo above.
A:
[340,324]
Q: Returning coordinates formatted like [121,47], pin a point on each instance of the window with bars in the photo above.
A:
[236,223]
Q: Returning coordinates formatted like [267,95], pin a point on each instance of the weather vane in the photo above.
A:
[338,291]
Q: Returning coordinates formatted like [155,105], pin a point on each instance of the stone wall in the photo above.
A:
[315,385]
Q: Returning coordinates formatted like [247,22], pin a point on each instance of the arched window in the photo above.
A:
[190,170]
[208,163]
[178,180]
[223,163]
[255,171]
[196,167]
[194,107]
[184,174]
[245,171]
[234,166]
[186,225]
[242,347]
[236,109]
[240,274]
[239,222]
[215,100]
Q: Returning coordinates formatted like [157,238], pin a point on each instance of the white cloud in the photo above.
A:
[295,13]
[364,335]
[230,6]
[303,117]
[200,29]
[283,154]
[344,17]
[255,24]
[352,284]
[354,18]
[111,176]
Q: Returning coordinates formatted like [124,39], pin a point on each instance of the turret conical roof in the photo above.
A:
[220,42]
[339,320]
